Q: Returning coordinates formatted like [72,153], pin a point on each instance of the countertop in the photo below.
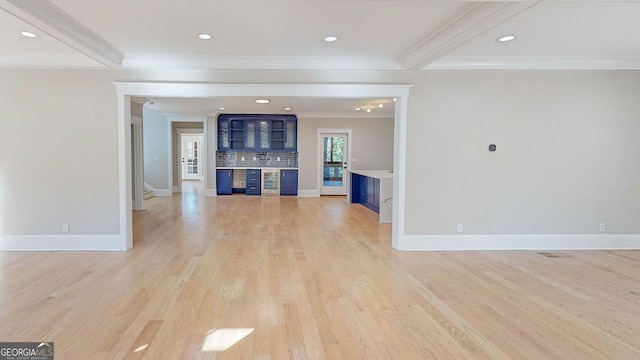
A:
[377,174]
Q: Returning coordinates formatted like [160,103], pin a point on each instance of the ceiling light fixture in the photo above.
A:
[379,105]
[28,34]
[263,101]
[204,36]
[287,108]
[357,109]
[222,108]
[368,110]
[507,38]
[330,38]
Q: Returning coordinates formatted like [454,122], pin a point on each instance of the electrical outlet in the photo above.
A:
[460,228]
[278,158]
[603,227]
[254,158]
[242,158]
[65,228]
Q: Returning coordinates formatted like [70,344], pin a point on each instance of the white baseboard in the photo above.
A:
[60,242]
[157,192]
[519,242]
[211,192]
[162,192]
[308,193]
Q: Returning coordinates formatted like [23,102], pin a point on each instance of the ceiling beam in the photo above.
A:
[481,18]
[45,16]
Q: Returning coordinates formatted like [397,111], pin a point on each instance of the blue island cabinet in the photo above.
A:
[223,181]
[289,182]
[365,190]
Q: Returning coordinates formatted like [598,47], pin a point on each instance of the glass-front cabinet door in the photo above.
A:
[290,135]
[264,132]
[223,134]
[250,134]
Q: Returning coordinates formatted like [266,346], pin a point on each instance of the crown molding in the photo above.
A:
[45,16]
[70,61]
[474,22]
[203,62]
[534,63]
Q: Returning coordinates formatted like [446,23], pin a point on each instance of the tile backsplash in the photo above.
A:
[256,159]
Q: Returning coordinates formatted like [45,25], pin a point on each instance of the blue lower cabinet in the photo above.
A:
[253,182]
[223,182]
[366,191]
[289,182]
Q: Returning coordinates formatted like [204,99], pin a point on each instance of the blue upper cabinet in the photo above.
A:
[264,135]
[250,131]
[291,134]
[223,134]
[257,132]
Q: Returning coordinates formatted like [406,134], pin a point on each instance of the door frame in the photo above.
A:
[174,188]
[125,90]
[137,166]
[202,165]
[320,160]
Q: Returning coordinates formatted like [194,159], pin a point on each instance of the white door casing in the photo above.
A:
[191,157]
[334,158]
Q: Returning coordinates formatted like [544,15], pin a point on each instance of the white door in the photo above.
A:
[334,157]
[192,157]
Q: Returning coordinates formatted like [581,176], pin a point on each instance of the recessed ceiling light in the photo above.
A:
[507,38]
[28,34]
[368,110]
[379,105]
[357,109]
[331,38]
[222,108]
[287,108]
[263,101]
[204,36]
[394,99]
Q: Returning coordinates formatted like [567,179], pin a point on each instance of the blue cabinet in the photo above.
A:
[365,190]
[277,135]
[223,135]
[291,135]
[289,182]
[250,135]
[261,133]
[224,181]
[253,182]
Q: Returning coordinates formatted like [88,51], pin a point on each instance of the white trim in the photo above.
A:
[157,192]
[203,131]
[124,173]
[309,193]
[47,17]
[399,172]
[320,150]
[60,242]
[210,192]
[213,62]
[138,163]
[519,242]
[206,90]
[534,63]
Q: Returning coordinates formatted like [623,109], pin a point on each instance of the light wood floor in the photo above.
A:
[317,279]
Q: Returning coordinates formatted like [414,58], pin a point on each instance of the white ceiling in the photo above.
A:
[288,34]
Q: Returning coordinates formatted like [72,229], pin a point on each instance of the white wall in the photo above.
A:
[156,151]
[372,145]
[59,162]
[567,159]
